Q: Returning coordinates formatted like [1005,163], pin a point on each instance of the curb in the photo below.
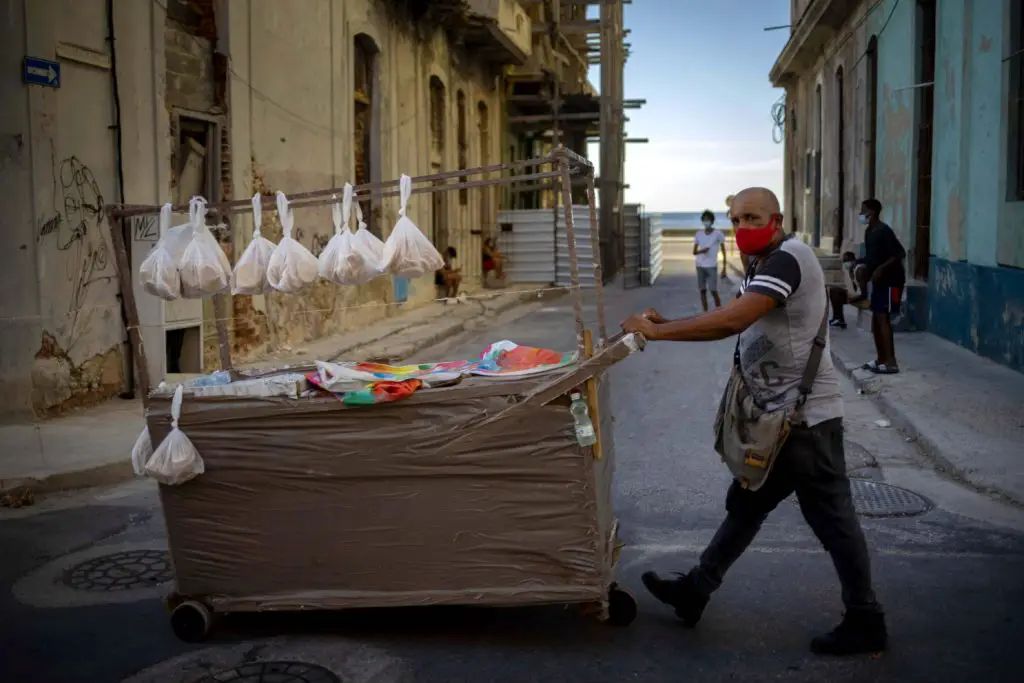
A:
[931,450]
[120,471]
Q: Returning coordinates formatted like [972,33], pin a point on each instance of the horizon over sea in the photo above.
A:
[687,220]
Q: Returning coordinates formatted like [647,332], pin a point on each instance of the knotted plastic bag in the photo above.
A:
[250,275]
[292,267]
[335,254]
[407,251]
[361,264]
[175,460]
[204,268]
[366,240]
[159,270]
[142,451]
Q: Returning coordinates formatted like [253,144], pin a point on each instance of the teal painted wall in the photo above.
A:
[895,150]
[974,299]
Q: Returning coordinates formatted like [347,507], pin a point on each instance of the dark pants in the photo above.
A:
[812,465]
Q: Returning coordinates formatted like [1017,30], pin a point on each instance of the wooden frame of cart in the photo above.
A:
[298,507]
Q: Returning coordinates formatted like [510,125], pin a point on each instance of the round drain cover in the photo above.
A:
[121,571]
[273,672]
[875,499]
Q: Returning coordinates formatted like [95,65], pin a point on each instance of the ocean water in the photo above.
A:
[687,220]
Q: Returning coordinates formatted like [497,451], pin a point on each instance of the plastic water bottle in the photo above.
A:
[585,435]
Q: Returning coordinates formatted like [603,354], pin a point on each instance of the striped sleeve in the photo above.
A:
[778,276]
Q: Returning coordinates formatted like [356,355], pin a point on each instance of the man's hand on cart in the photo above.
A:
[654,316]
[639,323]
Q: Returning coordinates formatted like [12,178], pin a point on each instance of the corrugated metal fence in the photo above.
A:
[641,246]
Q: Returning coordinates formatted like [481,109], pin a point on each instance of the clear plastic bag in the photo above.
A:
[292,267]
[407,251]
[204,268]
[366,240]
[175,460]
[359,264]
[250,274]
[142,451]
[335,254]
[159,270]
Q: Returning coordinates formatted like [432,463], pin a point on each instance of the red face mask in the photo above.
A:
[753,239]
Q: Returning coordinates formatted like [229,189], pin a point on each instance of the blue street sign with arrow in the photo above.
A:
[41,72]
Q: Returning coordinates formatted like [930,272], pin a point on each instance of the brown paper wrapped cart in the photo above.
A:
[474,494]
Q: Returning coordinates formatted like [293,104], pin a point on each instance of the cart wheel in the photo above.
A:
[622,607]
[191,621]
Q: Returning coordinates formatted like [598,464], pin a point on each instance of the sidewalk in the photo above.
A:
[92,446]
[964,411]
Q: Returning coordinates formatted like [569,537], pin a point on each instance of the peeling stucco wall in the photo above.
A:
[845,50]
[291,95]
[64,347]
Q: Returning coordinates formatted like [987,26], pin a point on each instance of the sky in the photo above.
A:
[702,66]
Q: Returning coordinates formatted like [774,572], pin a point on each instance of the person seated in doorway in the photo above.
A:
[449,277]
[493,259]
[853,291]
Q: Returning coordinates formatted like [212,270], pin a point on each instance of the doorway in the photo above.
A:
[817,166]
[439,204]
[840,170]
[925,111]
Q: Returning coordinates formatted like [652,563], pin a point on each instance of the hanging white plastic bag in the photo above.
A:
[142,451]
[407,251]
[366,240]
[292,267]
[204,268]
[159,270]
[335,254]
[175,460]
[360,263]
[250,274]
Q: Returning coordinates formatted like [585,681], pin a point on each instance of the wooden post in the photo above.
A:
[592,403]
[223,337]
[124,279]
[595,246]
[570,236]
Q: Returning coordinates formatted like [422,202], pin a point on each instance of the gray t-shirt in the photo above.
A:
[774,351]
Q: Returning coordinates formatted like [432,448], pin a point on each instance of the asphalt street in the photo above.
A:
[950,578]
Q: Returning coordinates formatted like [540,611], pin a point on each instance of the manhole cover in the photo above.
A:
[875,499]
[121,571]
[273,672]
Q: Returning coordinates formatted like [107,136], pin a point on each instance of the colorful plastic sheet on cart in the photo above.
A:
[508,359]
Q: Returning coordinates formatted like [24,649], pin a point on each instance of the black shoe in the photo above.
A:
[841,324]
[859,633]
[680,593]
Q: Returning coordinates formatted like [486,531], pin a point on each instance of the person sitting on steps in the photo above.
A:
[853,291]
[449,277]
[493,259]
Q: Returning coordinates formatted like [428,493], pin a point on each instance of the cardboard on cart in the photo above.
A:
[306,503]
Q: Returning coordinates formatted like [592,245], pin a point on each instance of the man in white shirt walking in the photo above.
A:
[706,245]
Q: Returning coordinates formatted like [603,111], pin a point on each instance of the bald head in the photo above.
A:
[756,207]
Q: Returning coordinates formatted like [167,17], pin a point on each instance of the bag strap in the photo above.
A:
[814,359]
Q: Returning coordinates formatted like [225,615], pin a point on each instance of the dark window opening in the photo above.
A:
[437,120]
[484,129]
[925,111]
[365,56]
[872,97]
[460,104]
[195,171]
[1015,184]
[840,163]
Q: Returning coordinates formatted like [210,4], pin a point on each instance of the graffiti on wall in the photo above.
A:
[78,231]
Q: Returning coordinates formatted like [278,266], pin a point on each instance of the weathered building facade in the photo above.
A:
[156,101]
[916,103]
